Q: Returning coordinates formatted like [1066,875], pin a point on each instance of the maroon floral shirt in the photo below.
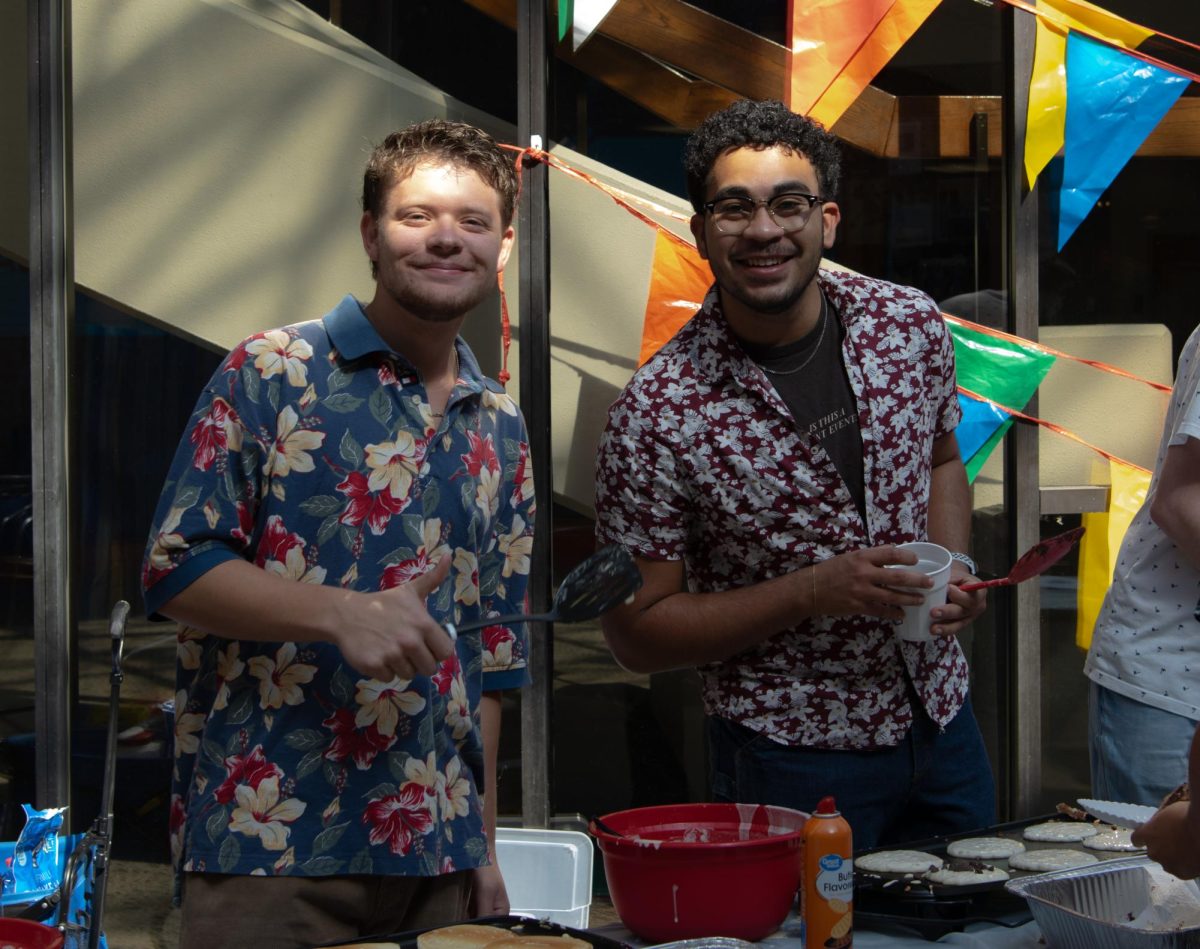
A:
[702,462]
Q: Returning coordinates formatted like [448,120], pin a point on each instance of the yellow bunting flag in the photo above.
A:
[1102,542]
[678,282]
[1046,112]
[892,31]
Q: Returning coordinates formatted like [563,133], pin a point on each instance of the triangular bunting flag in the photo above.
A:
[678,283]
[1114,100]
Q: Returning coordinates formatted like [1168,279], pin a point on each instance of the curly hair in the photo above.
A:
[441,142]
[760,125]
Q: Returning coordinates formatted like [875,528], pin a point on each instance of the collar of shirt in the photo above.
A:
[354,337]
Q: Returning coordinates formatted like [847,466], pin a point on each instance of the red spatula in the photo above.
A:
[1037,559]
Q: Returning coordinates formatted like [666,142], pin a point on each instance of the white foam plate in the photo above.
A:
[1123,815]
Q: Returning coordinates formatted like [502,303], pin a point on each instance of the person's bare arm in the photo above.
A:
[950,526]
[385,635]
[666,627]
[489,896]
[1176,505]
[1172,836]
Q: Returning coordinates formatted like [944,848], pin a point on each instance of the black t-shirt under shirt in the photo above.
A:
[811,378]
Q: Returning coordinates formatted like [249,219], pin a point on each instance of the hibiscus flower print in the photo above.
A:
[166,543]
[290,452]
[458,710]
[398,819]
[229,667]
[260,813]
[382,704]
[280,679]
[517,545]
[466,577]
[376,508]
[422,772]
[218,431]
[500,401]
[498,644]
[276,353]
[482,455]
[360,745]
[281,553]
[188,651]
[251,769]
[446,674]
[188,726]
[453,791]
[487,492]
[524,478]
[394,464]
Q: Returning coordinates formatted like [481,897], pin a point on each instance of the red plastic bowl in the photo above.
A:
[26,934]
[684,871]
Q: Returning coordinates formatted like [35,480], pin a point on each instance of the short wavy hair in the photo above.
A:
[760,125]
[441,142]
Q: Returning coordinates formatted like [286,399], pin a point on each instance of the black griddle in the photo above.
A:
[934,909]
[517,925]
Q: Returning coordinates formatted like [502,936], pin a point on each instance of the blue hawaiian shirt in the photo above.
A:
[313,454]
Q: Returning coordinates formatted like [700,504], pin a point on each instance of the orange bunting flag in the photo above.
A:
[836,47]
[678,283]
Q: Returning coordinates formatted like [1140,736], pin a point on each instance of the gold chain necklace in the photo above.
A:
[816,348]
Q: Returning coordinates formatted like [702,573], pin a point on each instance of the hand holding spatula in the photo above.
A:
[1037,559]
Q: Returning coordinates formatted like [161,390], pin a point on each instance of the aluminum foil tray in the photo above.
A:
[1084,908]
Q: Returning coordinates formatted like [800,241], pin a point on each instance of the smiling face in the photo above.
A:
[438,243]
[765,276]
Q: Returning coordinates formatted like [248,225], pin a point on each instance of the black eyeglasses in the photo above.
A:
[790,211]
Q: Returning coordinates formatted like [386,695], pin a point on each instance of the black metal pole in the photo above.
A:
[533,244]
[51,314]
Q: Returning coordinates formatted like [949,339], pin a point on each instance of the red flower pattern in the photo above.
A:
[253,769]
[363,504]
[399,818]
[349,741]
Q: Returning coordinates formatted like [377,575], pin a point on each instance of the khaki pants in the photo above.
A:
[221,910]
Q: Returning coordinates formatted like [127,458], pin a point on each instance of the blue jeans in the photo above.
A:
[936,781]
[1139,753]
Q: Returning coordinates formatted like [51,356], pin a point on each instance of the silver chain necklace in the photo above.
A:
[816,347]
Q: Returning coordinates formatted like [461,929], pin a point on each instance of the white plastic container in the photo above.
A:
[548,873]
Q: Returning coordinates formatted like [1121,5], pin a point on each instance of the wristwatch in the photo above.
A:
[965,561]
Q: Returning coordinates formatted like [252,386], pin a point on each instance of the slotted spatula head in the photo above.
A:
[607,578]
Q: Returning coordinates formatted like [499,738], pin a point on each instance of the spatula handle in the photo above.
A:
[981,584]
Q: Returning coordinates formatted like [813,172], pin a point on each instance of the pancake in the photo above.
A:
[1050,859]
[966,873]
[1115,838]
[984,848]
[1061,831]
[898,861]
[540,942]
[461,936]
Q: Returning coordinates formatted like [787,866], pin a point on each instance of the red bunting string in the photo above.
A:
[1051,426]
[627,201]
[1031,344]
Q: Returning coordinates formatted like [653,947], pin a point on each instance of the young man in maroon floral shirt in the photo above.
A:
[763,466]
[345,487]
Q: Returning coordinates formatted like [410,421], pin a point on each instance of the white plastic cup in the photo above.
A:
[934,561]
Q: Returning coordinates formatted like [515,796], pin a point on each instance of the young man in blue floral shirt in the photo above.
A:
[346,486]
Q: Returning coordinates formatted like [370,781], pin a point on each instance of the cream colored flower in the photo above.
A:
[431,540]
[275,353]
[458,710]
[454,791]
[292,445]
[393,464]
[167,540]
[229,667]
[425,773]
[487,491]
[188,726]
[499,400]
[281,677]
[466,577]
[516,547]
[382,703]
[261,814]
